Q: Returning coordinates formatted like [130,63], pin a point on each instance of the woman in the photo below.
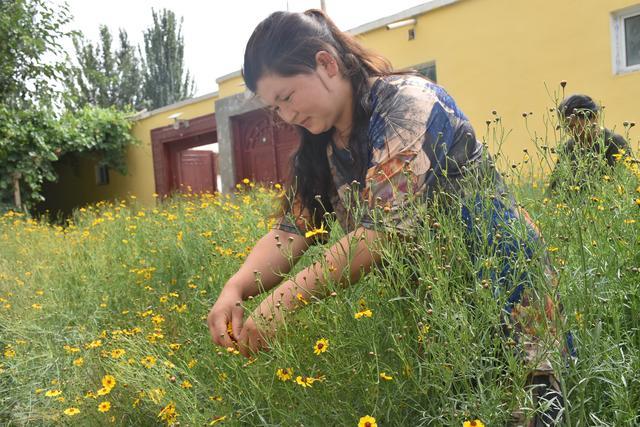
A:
[400,135]
[590,151]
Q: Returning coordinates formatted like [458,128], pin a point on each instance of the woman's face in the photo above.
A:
[581,127]
[315,101]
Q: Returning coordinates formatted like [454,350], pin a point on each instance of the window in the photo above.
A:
[428,70]
[625,28]
[102,175]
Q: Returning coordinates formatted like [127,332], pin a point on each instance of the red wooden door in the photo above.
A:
[287,140]
[196,170]
[263,147]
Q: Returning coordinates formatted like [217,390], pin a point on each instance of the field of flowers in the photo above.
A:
[102,321]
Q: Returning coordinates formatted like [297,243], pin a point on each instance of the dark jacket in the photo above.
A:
[577,161]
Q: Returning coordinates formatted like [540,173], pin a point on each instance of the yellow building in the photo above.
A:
[507,56]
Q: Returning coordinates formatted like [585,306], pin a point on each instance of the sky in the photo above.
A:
[215,32]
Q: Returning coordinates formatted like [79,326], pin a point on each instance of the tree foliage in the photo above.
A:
[166,80]
[31,53]
[127,77]
[33,139]
[34,133]
[106,77]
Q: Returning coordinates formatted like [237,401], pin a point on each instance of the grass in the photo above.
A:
[122,291]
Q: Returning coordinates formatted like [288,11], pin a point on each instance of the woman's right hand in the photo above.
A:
[226,310]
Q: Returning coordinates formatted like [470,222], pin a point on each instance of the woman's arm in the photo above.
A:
[346,262]
[273,255]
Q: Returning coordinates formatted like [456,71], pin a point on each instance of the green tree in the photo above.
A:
[130,77]
[34,133]
[33,139]
[106,77]
[166,80]
[31,52]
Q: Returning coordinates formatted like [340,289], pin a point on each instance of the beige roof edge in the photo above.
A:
[144,113]
[405,14]
[408,13]
[237,73]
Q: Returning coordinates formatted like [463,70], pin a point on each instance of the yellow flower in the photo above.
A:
[363,313]
[301,298]
[315,231]
[386,377]
[246,181]
[36,306]
[53,393]
[9,352]
[473,423]
[367,421]
[148,362]
[284,374]
[104,406]
[104,391]
[71,411]
[168,413]
[117,353]
[217,420]
[321,346]
[108,381]
[306,382]
[93,344]
[78,362]
[186,384]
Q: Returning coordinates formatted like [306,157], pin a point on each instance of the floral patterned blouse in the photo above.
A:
[421,145]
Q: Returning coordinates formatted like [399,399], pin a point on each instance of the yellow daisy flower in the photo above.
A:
[217,420]
[104,406]
[315,231]
[473,423]
[148,362]
[71,411]
[108,381]
[321,346]
[284,374]
[367,421]
[363,313]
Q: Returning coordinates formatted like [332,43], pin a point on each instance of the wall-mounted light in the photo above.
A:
[403,23]
[177,122]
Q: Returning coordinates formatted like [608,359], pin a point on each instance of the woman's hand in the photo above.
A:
[259,327]
[226,311]
[251,339]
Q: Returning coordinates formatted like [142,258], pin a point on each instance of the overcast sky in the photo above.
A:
[215,32]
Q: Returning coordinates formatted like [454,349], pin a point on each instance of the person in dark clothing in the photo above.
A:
[590,149]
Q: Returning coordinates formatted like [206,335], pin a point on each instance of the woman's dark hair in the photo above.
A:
[578,105]
[286,44]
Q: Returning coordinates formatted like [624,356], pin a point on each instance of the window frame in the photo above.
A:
[102,175]
[424,65]
[618,40]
